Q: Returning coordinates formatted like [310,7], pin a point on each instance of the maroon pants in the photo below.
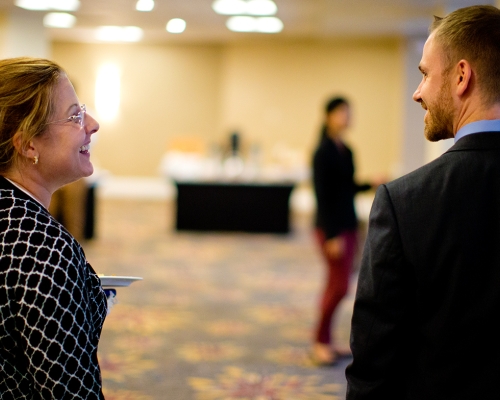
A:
[337,283]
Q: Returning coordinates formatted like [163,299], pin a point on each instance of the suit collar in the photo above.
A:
[477,141]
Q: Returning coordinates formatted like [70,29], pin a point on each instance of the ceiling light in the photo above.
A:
[145,5]
[245,7]
[119,33]
[64,5]
[176,25]
[242,24]
[269,25]
[261,7]
[254,24]
[59,20]
[33,4]
[229,7]
[61,5]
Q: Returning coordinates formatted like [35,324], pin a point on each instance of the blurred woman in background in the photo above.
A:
[336,222]
[52,306]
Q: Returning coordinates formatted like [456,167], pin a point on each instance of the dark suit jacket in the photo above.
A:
[427,310]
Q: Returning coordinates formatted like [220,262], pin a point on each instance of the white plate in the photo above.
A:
[117,281]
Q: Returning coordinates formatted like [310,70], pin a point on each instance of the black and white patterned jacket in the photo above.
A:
[52,306]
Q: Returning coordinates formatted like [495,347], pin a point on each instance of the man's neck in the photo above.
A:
[477,114]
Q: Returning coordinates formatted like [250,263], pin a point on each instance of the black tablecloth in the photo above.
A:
[223,206]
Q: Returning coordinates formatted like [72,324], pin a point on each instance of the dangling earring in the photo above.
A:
[35,160]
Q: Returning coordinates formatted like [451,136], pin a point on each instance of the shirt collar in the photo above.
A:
[477,127]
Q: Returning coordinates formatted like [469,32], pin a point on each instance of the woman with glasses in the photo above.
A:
[52,306]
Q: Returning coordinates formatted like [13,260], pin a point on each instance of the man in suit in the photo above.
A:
[425,317]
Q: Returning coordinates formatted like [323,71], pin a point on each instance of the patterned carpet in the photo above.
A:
[217,316]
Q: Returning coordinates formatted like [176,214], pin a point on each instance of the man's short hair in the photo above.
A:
[473,34]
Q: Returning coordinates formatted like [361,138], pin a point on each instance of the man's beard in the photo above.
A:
[439,122]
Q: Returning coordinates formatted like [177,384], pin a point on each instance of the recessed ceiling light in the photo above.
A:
[242,24]
[254,24]
[119,33]
[60,5]
[261,7]
[145,5]
[229,7]
[64,5]
[269,25]
[33,4]
[59,20]
[176,25]
[245,7]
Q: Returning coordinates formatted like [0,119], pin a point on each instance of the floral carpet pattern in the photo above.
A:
[217,316]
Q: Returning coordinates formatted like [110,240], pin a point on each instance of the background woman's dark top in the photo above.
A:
[334,185]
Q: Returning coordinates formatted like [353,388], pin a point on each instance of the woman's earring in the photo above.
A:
[35,160]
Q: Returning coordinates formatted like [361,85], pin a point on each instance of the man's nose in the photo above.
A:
[416,95]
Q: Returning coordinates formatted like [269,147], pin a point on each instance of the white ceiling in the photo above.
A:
[308,19]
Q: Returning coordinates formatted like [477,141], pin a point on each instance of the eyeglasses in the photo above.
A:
[77,118]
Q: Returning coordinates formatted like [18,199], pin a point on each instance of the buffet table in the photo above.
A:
[233,206]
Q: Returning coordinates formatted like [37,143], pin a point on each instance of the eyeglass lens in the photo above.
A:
[81,114]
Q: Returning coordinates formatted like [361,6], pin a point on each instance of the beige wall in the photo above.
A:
[272,92]
[3,23]
[166,91]
[16,40]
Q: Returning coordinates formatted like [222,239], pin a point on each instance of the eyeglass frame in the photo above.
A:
[74,118]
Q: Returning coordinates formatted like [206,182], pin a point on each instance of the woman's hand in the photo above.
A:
[334,247]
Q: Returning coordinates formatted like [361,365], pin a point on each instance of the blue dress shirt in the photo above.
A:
[477,127]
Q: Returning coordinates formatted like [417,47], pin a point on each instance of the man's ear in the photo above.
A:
[27,150]
[463,77]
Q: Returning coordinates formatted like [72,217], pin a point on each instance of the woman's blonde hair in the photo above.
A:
[26,102]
